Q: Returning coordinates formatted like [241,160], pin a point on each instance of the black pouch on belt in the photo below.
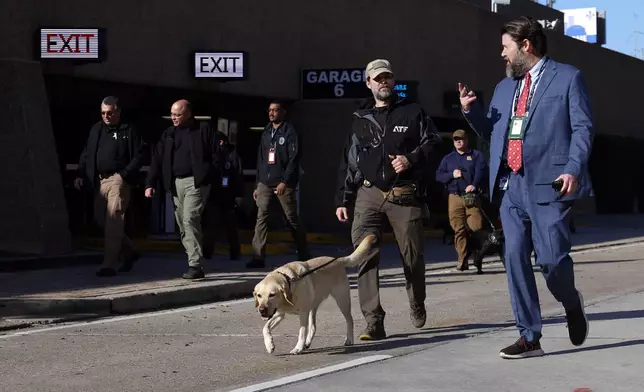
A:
[470,199]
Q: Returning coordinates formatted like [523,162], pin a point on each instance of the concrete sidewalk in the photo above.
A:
[57,295]
[610,360]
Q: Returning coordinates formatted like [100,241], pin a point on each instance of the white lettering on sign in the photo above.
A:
[223,65]
[69,43]
[400,129]
[335,76]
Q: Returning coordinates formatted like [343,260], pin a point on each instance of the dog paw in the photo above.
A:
[296,350]
[348,342]
[307,345]
[270,347]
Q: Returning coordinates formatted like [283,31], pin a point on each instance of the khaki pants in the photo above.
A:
[289,206]
[407,224]
[189,203]
[110,204]
[459,216]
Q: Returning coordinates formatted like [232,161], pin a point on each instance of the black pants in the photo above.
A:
[220,214]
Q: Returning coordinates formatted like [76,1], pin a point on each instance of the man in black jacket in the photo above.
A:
[224,202]
[382,169]
[186,158]
[278,170]
[110,162]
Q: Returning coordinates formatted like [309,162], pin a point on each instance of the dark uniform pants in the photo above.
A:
[407,225]
[220,216]
[288,203]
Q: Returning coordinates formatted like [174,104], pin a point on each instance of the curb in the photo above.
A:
[23,263]
[65,308]
[165,298]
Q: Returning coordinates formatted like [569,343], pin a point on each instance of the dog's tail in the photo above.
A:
[363,252]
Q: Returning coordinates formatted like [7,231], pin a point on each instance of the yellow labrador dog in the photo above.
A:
[299,288]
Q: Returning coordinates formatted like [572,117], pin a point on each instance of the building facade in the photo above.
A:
[146,56]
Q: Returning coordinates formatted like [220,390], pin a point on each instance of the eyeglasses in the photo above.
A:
[107,114]
[458,138]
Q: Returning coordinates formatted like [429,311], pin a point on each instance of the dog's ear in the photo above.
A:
[256,301]
[286,297]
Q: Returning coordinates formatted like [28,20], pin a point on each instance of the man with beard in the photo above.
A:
[541,131]
[384,161]
[278,172]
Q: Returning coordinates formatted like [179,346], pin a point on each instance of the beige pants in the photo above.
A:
[110,205]
[459,216]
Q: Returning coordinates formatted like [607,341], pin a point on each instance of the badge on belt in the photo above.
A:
[224,182]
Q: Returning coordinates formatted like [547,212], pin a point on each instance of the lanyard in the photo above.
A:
[533,88]
[273,132]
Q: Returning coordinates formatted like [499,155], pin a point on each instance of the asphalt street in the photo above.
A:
[219,347]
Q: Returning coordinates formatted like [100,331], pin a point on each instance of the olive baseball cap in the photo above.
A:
[376,67]
[459,133]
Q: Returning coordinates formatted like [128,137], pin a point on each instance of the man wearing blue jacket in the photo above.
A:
[463,171]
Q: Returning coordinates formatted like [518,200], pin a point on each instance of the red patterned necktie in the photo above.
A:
[515,146]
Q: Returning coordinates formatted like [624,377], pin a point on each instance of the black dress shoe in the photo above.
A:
[194,273]
[128,262]
[105,272]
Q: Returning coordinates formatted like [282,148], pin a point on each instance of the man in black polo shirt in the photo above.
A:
[186,158]
[278,170]
[110,162]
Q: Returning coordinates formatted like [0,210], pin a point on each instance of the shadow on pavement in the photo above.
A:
[608,346]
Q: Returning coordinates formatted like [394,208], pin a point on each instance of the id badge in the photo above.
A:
[517,127]
[224,182]
[271,156]
[503,182]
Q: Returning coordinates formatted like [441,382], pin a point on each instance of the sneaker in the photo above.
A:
[374,331]
[577,323]
[255,263]
[194,273]
[418,315]
[105,272]
[522,349]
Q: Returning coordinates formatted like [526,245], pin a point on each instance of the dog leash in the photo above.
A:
[487,218]
[296,278]
[289,279]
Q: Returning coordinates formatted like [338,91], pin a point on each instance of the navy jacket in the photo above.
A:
[286,169]
[472,165]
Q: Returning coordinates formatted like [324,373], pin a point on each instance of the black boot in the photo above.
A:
[194,273]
